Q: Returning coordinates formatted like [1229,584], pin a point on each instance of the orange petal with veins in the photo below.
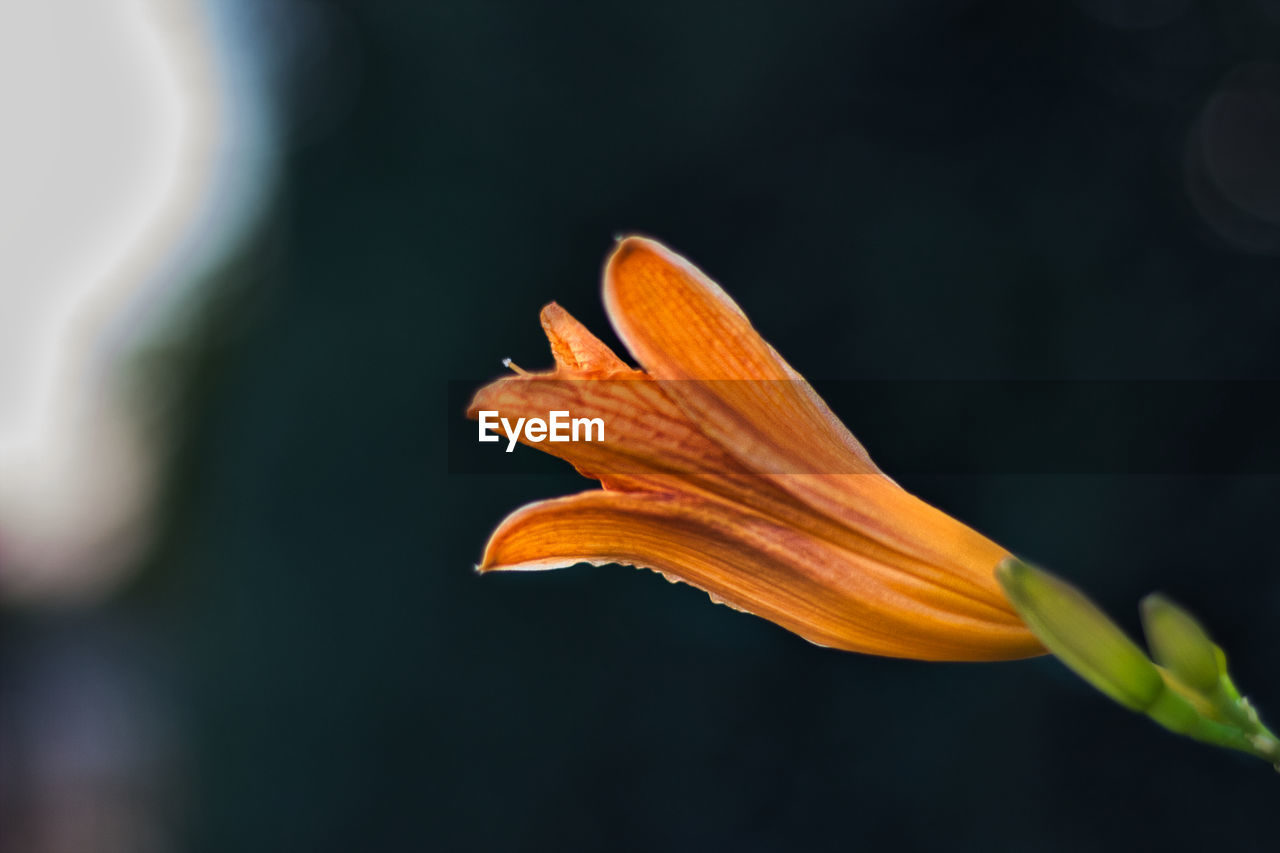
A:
[729,472]
[828,595]
[746,398]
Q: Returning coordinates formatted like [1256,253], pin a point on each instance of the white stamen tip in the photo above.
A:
[511,365]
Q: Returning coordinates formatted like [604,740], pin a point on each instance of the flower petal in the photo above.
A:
[648,441]
[681,326]
[576,350]
[826,594]
[684,328]
[650,445]
[647,437]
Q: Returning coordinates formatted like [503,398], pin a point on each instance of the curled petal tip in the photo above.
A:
[625,247]
[575,349]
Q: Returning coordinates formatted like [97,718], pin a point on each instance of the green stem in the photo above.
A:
[1190,693]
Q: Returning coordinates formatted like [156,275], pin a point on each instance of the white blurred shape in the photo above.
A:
[115,122]
[92,133]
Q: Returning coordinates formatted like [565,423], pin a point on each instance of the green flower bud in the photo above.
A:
[1081,635]
[1179,644]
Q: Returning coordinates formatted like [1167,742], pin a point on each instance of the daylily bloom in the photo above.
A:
[721,467]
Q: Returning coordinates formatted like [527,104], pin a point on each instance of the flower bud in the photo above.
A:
[1081,635]
[1180,645]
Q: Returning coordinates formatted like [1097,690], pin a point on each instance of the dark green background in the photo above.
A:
[938,190]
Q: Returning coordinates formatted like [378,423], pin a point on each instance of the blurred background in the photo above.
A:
[250,249]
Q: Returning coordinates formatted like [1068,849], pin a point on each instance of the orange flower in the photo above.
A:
[722,468]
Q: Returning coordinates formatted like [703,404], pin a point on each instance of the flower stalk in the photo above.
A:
[1188,691]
